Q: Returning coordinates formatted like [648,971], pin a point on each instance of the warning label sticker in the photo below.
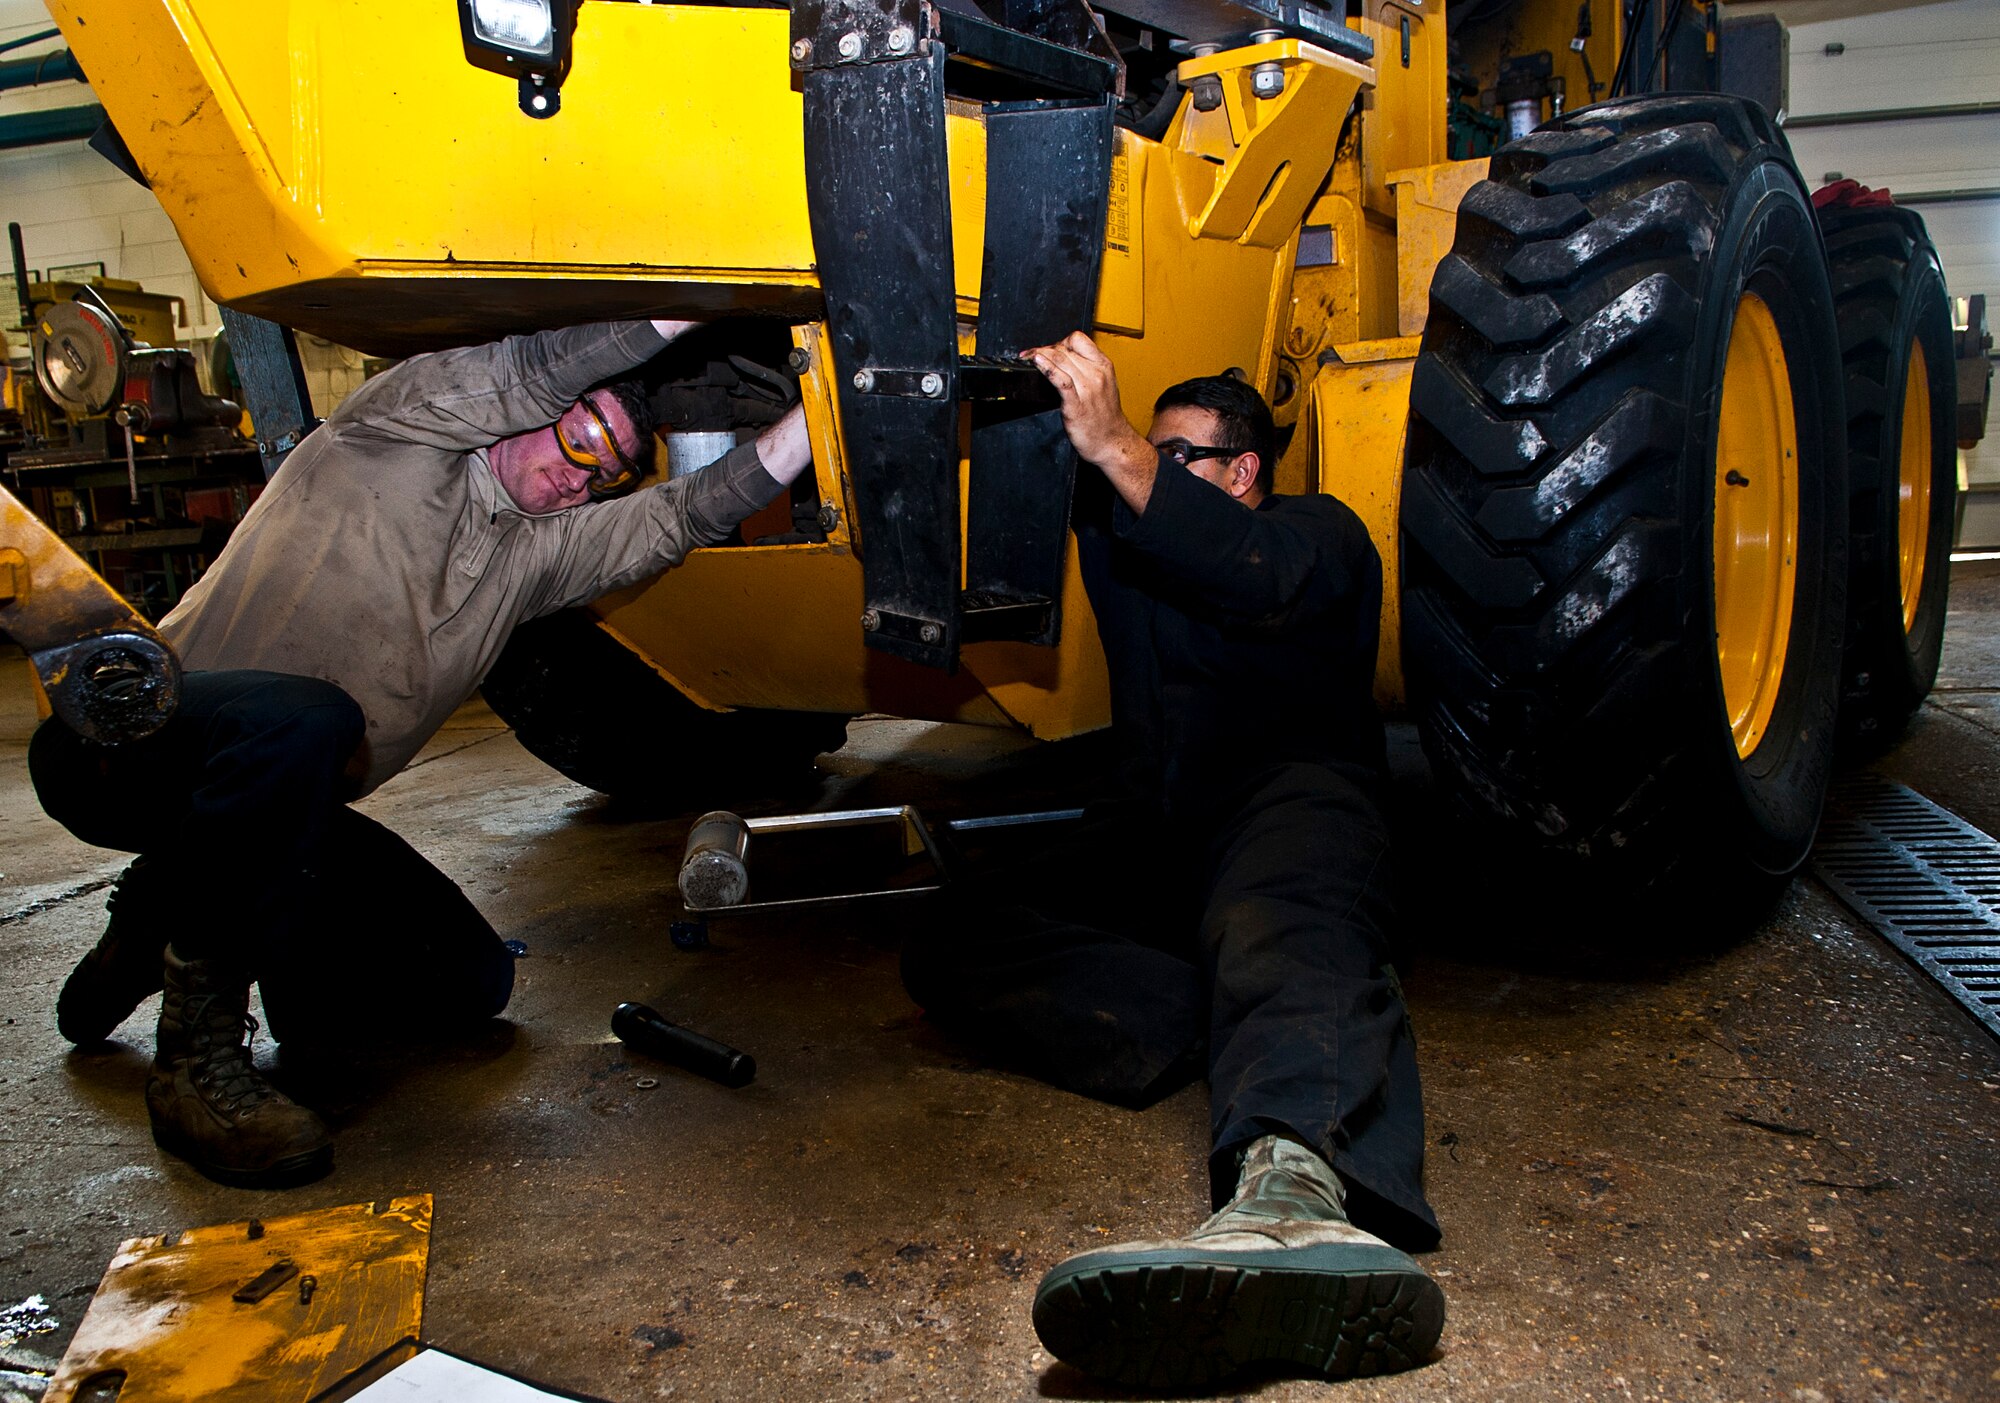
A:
[1118,217]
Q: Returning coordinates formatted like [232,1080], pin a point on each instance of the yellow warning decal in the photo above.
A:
[1118,218]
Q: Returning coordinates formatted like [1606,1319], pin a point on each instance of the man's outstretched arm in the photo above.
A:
[1095,420]
[474,396]
[609,545]
[784,449]
[1247,562]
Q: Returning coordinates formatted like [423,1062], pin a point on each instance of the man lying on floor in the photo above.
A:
[1230,914]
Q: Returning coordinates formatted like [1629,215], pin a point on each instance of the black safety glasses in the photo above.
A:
[1184,453]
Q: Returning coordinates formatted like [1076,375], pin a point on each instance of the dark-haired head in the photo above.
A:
[1243,420]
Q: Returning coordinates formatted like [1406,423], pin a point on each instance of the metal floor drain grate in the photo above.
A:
[1925,879]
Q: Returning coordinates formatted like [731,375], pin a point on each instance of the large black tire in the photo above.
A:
[1560,495]
[1889,298]
[584,703]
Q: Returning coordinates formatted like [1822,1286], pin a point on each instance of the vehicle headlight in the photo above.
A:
[520,26]
[528,39]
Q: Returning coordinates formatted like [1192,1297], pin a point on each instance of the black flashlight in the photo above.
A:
[644,1030]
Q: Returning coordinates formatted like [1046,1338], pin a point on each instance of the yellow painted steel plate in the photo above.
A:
[166,1315]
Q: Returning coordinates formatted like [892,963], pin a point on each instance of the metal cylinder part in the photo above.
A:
[79,356]
[1523,117]
[1206,90]
[713,874]
[691,452]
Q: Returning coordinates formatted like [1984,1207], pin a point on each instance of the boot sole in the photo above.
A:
[1182,1320]
[289,1172]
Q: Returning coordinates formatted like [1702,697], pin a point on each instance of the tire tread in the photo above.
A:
[1542,559]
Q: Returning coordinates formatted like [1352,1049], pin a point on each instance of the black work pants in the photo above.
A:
[252,857]
[1105,962]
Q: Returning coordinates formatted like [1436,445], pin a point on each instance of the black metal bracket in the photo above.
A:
[907,384]
[1005,379]
[1031,62]
[827,34]
[274,384]
[538,98]
[980,379]
[875,80]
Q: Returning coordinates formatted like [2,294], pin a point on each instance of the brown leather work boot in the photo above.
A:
[122,970]
[208,1103]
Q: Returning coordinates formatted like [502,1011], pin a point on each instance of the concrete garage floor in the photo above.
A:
[869,1218]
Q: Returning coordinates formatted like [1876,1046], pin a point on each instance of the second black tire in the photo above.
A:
[1902,460]
[1574,622]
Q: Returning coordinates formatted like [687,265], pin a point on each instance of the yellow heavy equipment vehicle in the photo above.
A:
[1658,460]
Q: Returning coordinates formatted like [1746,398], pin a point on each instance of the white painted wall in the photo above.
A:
[73,207]
[1919,56]
[1909,56]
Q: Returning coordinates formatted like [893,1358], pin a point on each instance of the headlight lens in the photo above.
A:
[525,26]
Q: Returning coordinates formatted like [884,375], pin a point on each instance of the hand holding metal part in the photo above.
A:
[1094,417]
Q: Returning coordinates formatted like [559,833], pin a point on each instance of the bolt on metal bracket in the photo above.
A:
[905,384]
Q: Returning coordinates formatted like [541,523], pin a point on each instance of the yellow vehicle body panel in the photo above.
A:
[294,148]
[1406,121]
[392,197]
[677,162]
[1426,222]
[775,626]
[1353,428]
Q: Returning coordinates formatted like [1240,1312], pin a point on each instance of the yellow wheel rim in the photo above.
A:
[1756,522]
[1913,495]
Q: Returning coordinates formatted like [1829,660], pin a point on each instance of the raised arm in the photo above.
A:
[1095,419]
[1229,556]
[610,545]
[476,395]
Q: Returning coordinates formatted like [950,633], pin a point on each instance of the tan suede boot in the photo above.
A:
[208,1103]
[1279,1278]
